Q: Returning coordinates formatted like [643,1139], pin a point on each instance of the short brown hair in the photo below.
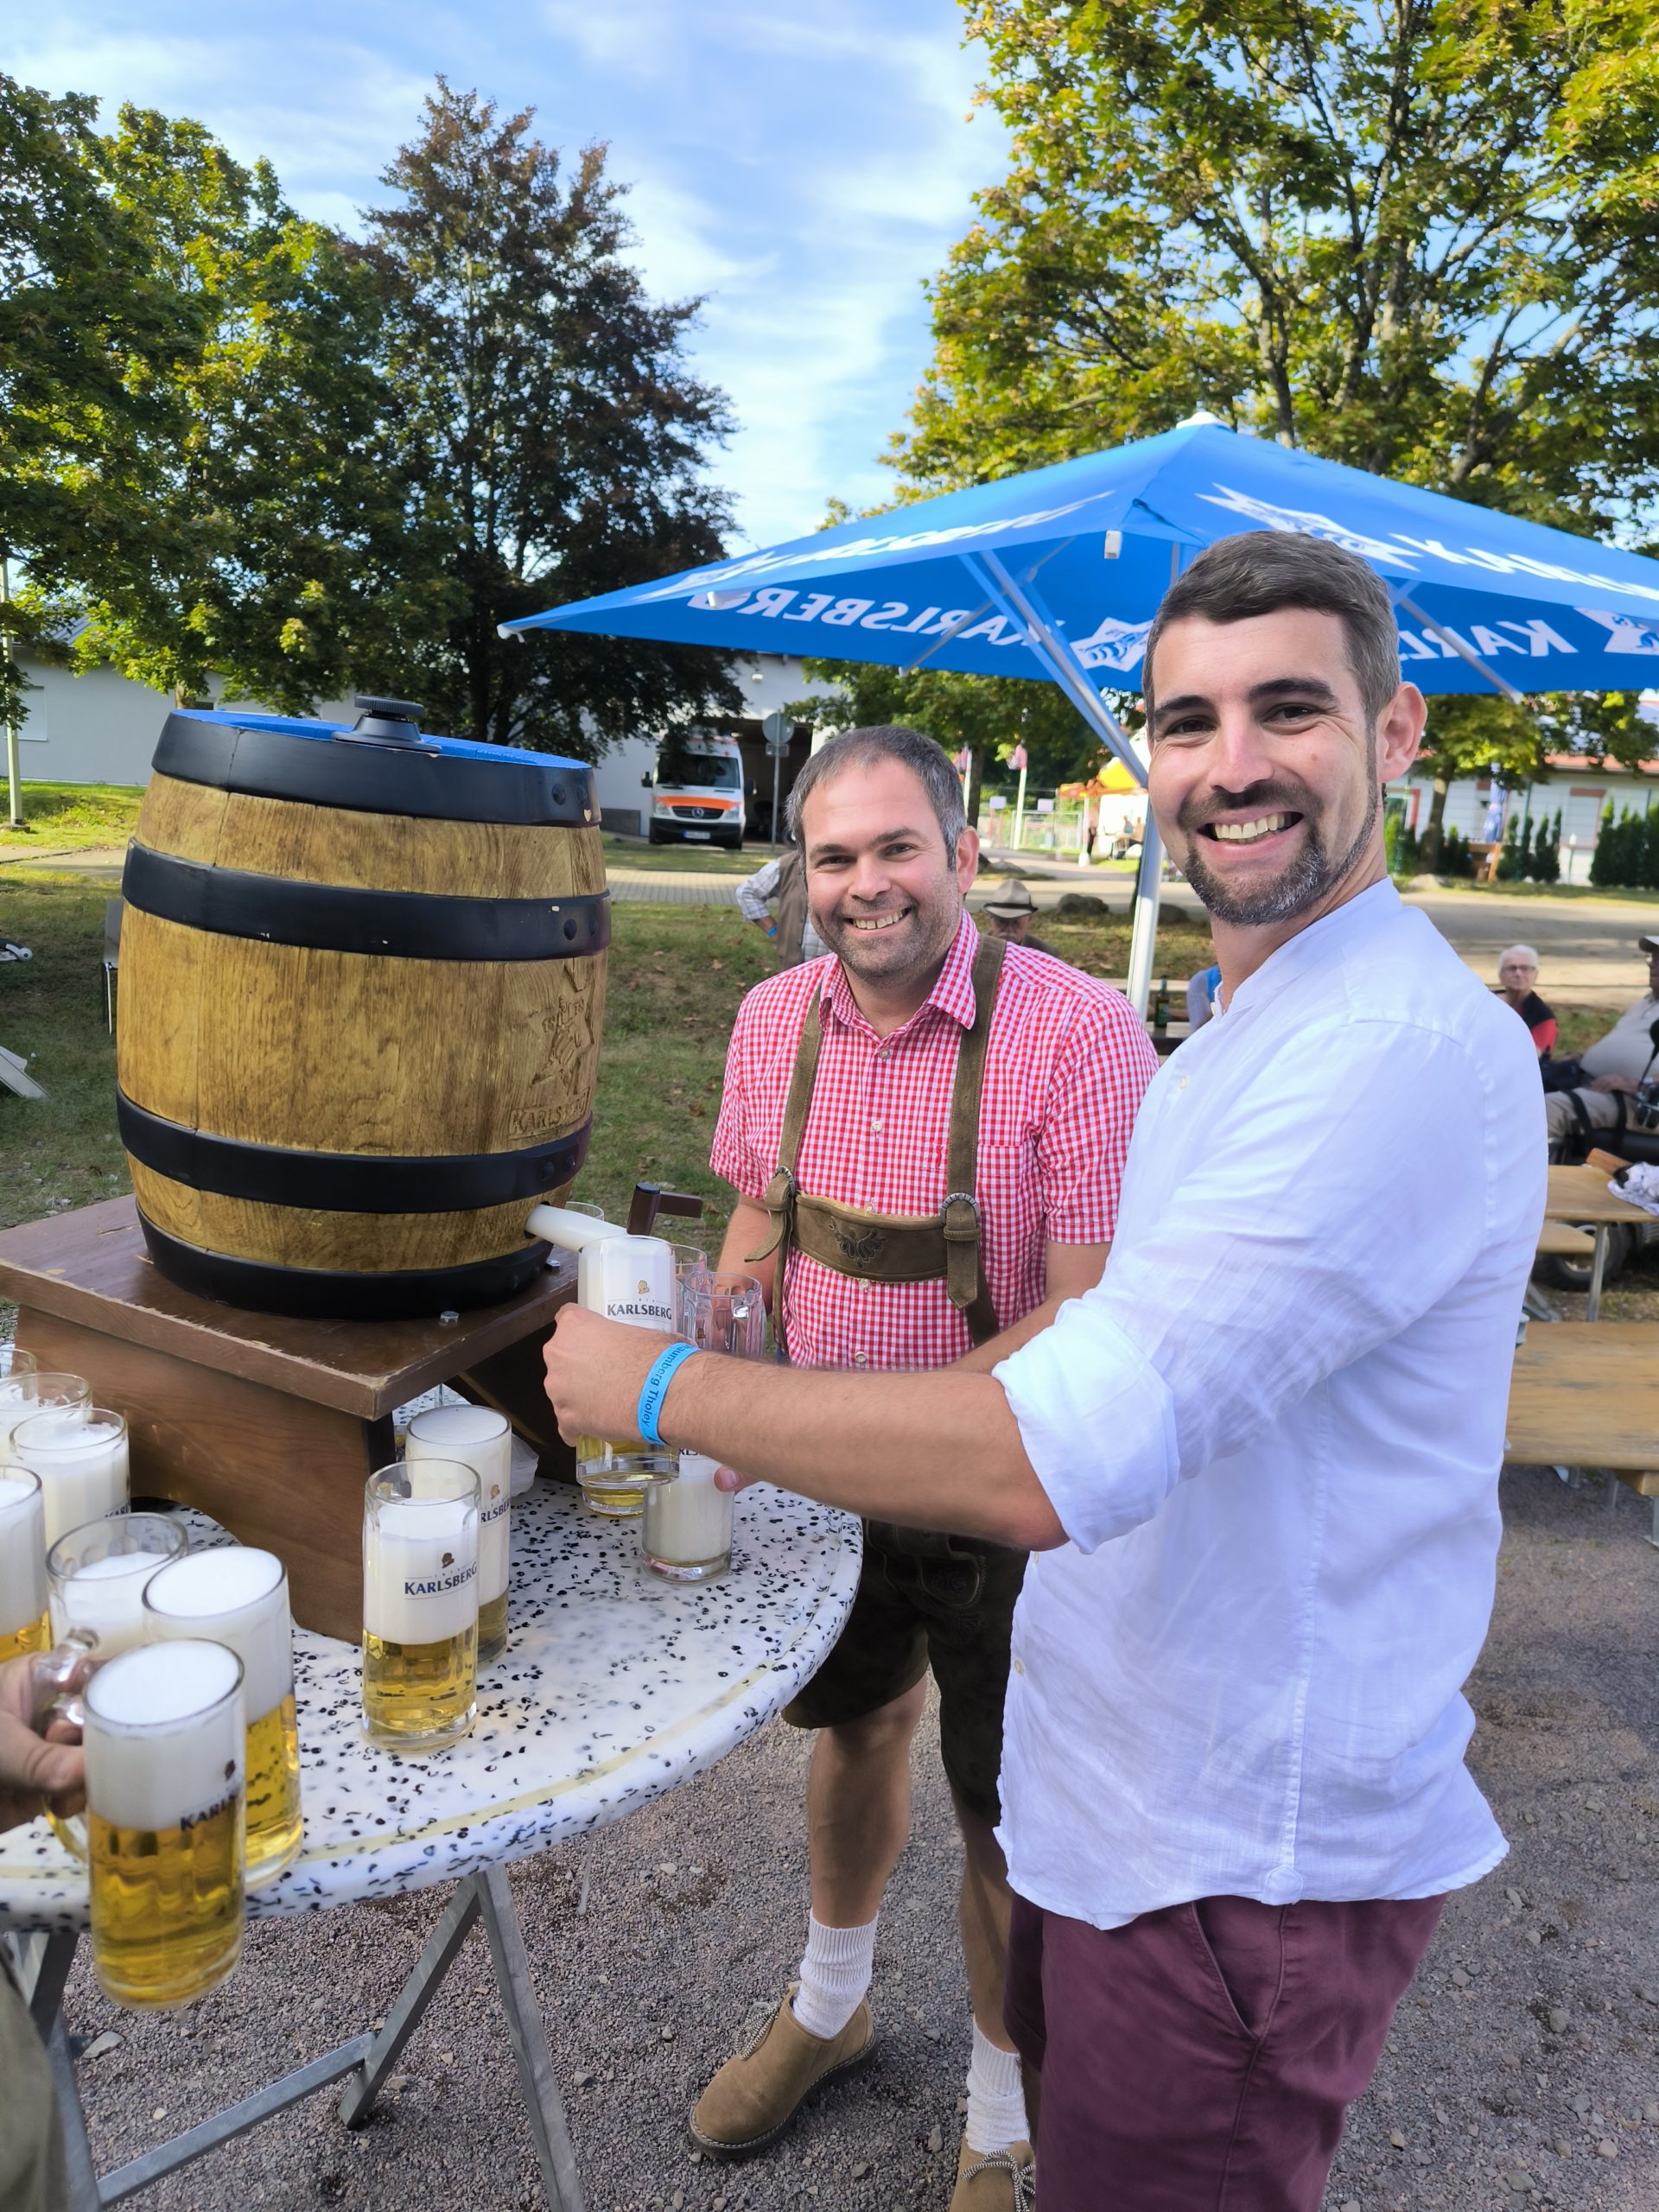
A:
[1259,571]
[861,748]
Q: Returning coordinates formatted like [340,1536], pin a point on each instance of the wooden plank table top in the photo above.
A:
[1586,1394]
[1557,1241]
[1580,1194]
[92,1267]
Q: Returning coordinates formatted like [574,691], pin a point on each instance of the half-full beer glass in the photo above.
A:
[420,1605]
[238,1597]
[97,1575]
[80,1453]
[480,1439]
[164,1732]
[24,1623]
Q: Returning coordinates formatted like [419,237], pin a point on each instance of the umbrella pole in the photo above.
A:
[1143,933]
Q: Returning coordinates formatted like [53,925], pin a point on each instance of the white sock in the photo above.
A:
[835,1971]
[996,2099]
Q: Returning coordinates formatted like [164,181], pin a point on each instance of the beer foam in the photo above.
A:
[107,1595]
[480,1439]
[233,1595]
[23,1550]
[420,1570]
[82,1465]
[687,1520]
[164,1734]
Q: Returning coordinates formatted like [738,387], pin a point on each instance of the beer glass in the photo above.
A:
[164,1732]
[420,1605]
[24,1623]
[97,1575]
[80,1453]
[477,1438]
[16,1367]
[686,1535]
[238,1597]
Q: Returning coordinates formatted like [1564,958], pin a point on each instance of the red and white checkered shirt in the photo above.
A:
[1065,1065]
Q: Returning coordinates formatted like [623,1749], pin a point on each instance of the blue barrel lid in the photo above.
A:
[383,763]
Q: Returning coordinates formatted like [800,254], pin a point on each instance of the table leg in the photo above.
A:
[554,2148]
[79,2171]
[1598,1267]
[413,1999]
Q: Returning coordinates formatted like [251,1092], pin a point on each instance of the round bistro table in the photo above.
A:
[615,1688]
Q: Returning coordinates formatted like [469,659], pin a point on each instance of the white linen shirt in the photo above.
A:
[1272,1435]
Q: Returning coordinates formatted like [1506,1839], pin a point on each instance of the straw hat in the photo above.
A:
[1011,902]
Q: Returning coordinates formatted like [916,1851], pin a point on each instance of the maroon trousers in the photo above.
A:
[1201,2058]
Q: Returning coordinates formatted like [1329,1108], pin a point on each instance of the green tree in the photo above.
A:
[985,715]
[268,540]
[552,440]
[91,335]
[1417,238]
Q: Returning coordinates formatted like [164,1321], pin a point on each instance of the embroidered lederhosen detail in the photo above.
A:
[886,1247]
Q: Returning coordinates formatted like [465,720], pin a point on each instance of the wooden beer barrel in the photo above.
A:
[362,981]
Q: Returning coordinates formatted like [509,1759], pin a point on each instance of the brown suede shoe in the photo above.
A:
[995,2181]
[761,2088]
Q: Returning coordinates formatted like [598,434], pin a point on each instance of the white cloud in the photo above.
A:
[805,167]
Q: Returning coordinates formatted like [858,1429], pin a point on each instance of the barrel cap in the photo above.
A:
[383,763]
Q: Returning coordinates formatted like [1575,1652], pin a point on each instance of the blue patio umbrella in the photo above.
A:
[1056,574]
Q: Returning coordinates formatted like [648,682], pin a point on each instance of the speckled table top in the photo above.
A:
[614,1688]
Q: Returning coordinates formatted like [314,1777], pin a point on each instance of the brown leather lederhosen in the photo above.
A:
[888,1247]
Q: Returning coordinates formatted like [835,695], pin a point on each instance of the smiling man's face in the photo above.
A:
[1266,772]
[884,893]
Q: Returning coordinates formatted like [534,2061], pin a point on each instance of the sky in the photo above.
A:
[804,165]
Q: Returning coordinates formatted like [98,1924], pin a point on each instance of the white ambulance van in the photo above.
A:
[697,791]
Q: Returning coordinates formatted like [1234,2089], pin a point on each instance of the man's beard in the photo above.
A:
[920,942]
[1304,881]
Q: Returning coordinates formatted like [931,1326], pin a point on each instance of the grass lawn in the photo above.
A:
[66,817]
[698,859]
[677,974]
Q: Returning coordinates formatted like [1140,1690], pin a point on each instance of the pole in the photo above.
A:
[1143,935]
[776,770]
[1019,811]
[14,766]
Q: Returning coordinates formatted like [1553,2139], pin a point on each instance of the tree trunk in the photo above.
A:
[1428,853]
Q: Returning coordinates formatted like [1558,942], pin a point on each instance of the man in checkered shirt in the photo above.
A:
[889,860]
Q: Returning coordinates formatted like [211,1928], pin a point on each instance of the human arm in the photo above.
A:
[1610,1084]
[1069,1270]
[32,1767]
[746,1232]
[938,1451]
[753,893]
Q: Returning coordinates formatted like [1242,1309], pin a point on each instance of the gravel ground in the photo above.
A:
[1522,2065]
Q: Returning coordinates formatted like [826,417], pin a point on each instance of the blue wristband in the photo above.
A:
[654,1389]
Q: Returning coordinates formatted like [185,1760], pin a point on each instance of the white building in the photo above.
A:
[1576,789]
[102,727]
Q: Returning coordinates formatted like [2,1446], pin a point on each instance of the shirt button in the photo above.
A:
[863,1282]
[875,1128]
[1019,1666]
[861,1359]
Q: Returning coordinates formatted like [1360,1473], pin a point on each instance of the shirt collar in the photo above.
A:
[1328,937]
[953,993]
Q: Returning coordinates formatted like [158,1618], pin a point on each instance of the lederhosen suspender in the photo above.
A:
[888,1247]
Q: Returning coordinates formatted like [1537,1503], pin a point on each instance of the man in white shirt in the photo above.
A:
[1613,1065]
[1259,1459]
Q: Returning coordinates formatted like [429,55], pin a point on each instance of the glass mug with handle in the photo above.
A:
[235,1595]
[16,1367]
[24,1624]
[95,1577]
[686,1534]
[420,1605]
[164,1732]
[80,1453]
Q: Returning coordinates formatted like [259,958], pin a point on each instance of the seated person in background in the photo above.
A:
[1587,1091]
[1009,914]
[1201,991]
[1517,972]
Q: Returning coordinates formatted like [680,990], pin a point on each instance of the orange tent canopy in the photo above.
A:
[1112,781]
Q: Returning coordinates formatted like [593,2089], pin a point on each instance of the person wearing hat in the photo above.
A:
[1589,1093]
[1009,915]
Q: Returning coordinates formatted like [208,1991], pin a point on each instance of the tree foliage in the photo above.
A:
[1415,235]
[549,437]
